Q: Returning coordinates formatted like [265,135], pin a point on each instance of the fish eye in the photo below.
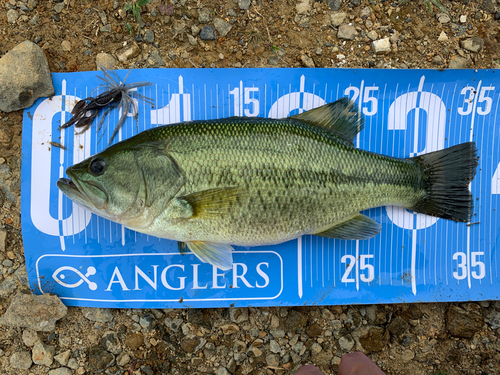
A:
[96,167]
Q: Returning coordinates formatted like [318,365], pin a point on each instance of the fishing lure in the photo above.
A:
[116,94]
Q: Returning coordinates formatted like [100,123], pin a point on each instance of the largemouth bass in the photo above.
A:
[256,181]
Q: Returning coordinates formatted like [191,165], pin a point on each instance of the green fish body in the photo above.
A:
[255,181]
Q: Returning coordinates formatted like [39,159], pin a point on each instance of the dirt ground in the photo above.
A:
[415,339]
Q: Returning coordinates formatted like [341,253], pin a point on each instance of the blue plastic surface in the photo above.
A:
[89,261]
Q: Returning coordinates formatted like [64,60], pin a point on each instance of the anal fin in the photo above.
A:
[356,227]
[218,255]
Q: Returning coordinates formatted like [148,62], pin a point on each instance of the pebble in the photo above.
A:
[103,17]
[8,286]
[493,319]
[372,35]
[437,60]
[443,18]
[254,352]
[222,27]
[122,359]
[462,323]
[365,12]
[21,360]
[105,60]
[12,16]
[244,4]
[63,357]
[147,320]
[346,343]
[207,33]
[472,44]
[149,36]
[105,28]
[307,61]
[111,343]
[222,371]
[128,52]
[458,62]
[37,312]
[191,39]
[192,343]
[334,4]
[381,45]
[61,371]
[204,15]
[398,326]
[337,19]
[100,360]
[58,8]
[303,7]
[30,337]
[371,338]
[463,18]
[229,329]
[97,315]
[316,348]
[73,363]
[66,45]
[174,324]
[43,354]
[347,32]
[274,346]
[135,340]
[26,70]
[273,360]
[442,37]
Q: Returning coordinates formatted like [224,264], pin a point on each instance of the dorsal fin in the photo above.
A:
[340,117]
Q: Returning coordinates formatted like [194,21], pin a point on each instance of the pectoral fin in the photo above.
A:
[356,227]
[218,255]
[213,202]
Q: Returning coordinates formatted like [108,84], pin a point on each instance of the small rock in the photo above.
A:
[322,358]
[394,37]
[61,371]
[303,7]
[244,4]
[58,8]
[30,337]
[100,360]
[207,33]
[128,52]
[174,324]
[8,286]
[273,360]
[458,62]
[222,371]
[316,349]
[66,46]
[274,346]
[73,363]
[103,17]
[442,37]
[347,32]
[63,357]
[381,45]
[463,18]
[24,77]
[192,343]
[21,360]
[3,235]
[204,15]
[437,60]
[443,17]
[461,323]
[229,329]
[472,44]
[493,319]
[195,30]
[365,12]
[149,36]
[334,4]
[223,28]
[12,15]
[122,359]
[191,39]
[147,321]
[43,354]
[346,343]
[398,326]
[313,330]
[22,275]
[371,338]
[305,22]
[36,312]
[337,18]
[238,315]
[254,352]
[105,60]
[295,321]
[97,315]
[111,343]
[307,61]
[155,60]
[372,35]
[135,341]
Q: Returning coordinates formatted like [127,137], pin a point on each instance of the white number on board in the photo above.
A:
[350,262]
[479,269]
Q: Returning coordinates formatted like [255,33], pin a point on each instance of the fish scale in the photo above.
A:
[255,181]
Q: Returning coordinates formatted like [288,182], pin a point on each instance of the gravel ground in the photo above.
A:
[440,338]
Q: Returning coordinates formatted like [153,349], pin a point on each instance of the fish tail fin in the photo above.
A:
[446,175]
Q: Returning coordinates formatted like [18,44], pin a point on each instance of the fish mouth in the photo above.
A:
[72,189]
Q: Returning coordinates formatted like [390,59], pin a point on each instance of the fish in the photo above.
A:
[250,181]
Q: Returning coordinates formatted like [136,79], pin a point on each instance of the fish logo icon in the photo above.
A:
[58,276]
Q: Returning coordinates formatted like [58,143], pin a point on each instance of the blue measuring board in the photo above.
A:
[89,261]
